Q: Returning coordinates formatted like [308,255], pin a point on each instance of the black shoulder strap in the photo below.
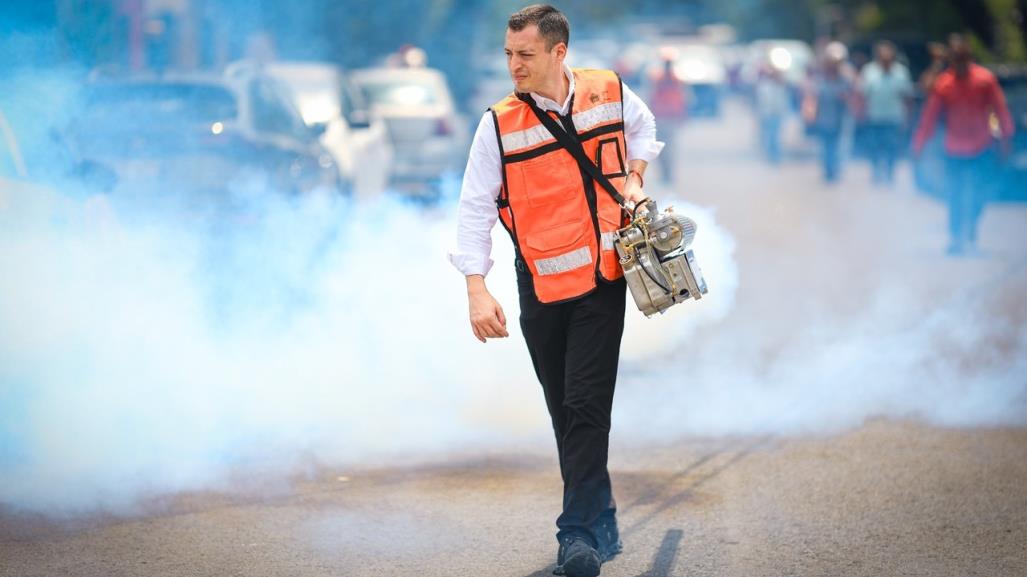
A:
[573,145]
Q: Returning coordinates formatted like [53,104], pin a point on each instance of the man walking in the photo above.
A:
[888,93]
[772,106]
[826,107]
[967,95]
[562,221]
[669,99]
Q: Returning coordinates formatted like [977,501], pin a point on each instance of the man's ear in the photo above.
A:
[561,50]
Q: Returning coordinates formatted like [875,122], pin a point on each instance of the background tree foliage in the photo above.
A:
[358,32]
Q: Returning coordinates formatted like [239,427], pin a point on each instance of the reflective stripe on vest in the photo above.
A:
[562,223]
[583,121]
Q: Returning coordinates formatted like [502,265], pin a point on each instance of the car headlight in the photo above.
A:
[780,58]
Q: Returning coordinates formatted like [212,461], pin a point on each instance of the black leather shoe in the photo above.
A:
[577,558]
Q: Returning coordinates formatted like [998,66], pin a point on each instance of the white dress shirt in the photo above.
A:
[483,178]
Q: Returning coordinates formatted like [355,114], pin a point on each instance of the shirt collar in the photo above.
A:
[975,71]
[549,104]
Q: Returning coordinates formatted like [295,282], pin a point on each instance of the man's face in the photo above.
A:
[886,55]
[959,54]
[531,65]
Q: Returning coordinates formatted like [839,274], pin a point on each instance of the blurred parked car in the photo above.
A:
[428,136]
[493,84]
[14,173]
[44,158]
[200,134]
[40,183]
[357,139]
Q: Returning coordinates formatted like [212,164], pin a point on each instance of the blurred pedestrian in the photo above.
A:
[967,96]
[887,91]
[669,101]
[939,61]
[628,70]
[527,167]
[773,103]
[826,106]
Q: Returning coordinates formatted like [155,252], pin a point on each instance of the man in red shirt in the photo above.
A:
[967,95]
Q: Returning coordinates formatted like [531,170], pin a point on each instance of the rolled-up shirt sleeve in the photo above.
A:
[639,128]
[476,211]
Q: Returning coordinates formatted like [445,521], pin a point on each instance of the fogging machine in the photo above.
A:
[658,266]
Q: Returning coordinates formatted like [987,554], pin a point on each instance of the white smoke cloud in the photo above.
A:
[148,355]
[648,339]
[837,328]
[146,358]
[147,352]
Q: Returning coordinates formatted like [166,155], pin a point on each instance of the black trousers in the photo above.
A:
[574,348]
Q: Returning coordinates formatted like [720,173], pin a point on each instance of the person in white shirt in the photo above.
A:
[887,91]
[574,336]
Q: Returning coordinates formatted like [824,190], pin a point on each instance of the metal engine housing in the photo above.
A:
[658,266]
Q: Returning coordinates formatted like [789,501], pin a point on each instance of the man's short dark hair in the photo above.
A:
[885,44]
[552,24]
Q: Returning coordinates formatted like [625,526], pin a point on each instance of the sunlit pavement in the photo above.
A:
[880,497]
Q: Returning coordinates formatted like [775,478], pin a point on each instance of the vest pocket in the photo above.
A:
[609,159]
[559,249]
[549,179]
[609,266]
[608,229]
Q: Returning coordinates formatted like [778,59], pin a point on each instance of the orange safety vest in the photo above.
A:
[562,222]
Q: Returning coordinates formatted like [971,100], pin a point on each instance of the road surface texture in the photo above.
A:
[880,496]
[888,499]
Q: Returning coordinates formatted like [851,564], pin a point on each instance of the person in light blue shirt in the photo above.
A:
[887,93]
[826,106]
[773,103]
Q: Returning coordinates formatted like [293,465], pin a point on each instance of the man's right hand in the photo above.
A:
[487,318]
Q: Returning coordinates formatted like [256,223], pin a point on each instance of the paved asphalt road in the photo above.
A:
[887,499]
[879,497]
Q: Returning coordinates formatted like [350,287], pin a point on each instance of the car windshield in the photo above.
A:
[159,105]
[402,92]
[316,93]
[317,104]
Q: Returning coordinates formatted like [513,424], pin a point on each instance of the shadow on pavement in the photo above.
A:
[665,555]
[663,562]
[683,495]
